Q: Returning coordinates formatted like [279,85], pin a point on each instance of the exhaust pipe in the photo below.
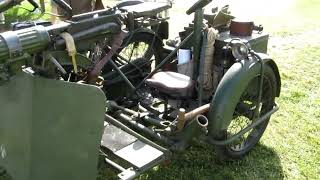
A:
[192,130]
[184,117]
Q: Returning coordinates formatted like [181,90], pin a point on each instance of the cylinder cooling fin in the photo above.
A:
[14,44]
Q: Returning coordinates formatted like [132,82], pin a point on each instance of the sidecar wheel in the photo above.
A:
[243,116]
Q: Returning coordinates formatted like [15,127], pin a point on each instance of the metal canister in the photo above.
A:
[241,27]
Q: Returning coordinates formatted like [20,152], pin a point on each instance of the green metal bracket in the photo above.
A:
[198,18]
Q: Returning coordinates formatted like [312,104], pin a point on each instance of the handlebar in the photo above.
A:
[65,6]
[198,5]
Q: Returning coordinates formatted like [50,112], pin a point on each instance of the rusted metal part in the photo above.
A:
[181,119]
[184,118]
[241,28]
[116,44]
[200,110]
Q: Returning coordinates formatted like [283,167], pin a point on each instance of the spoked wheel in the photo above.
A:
[140,45]
[243,116]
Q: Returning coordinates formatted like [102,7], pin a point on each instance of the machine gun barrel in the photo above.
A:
[14,44]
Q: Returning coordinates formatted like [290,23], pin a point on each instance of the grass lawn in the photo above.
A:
[290,147]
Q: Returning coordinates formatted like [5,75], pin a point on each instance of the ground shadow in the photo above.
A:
[201,163]
[197,163]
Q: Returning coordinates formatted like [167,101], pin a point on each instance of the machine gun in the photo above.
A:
[88,30]
[49,112]
[46,111]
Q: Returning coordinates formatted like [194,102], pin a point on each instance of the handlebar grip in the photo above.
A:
[198,5]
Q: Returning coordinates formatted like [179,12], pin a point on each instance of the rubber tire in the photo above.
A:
[224,152]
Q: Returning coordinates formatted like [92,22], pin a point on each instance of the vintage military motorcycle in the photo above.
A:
[69,107]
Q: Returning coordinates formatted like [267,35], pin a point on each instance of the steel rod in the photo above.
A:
[115,165]
[129,111]
[201,67]
[243,131]
[148,119]
[198,25]
[145,129]
[122,75]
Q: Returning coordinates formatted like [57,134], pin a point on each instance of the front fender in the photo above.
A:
[230,90]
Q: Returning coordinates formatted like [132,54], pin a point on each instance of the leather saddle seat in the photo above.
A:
[171,84]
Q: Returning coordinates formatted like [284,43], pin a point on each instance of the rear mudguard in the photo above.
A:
[229,91]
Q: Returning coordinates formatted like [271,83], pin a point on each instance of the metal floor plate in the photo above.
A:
[139,154]
[115,139]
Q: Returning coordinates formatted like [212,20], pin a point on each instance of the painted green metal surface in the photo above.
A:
[229,91]
[50,129]
[198,18]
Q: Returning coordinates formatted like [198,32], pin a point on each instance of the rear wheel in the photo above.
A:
[243,116]
[137,57]
[139,46]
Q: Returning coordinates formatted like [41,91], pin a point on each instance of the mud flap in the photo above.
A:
[50,129]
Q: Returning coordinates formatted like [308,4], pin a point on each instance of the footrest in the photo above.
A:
[124,146]
[140,154]
[115,139]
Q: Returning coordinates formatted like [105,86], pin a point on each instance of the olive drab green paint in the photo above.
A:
[229,91]
[47,131]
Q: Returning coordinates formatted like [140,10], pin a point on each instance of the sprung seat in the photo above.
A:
[172,84]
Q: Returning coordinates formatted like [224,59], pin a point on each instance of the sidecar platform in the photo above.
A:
[140,156]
